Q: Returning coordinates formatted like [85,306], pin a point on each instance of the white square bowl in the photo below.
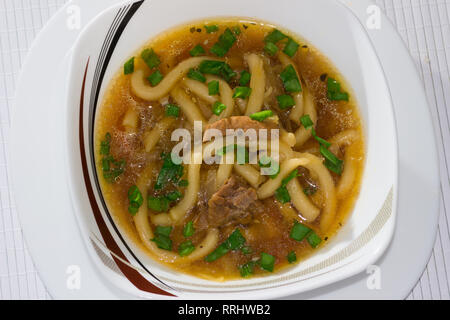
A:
[105,45]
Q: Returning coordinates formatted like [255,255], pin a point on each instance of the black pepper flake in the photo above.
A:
[199,30]
[305,46]
[192,29]
[245,26]
[326,238]
[323,77]
[253,23]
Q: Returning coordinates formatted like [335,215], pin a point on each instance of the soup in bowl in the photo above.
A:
[229,154]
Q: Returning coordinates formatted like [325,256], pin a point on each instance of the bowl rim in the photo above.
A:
[263,293]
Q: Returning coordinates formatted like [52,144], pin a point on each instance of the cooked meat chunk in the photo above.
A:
[232,203]
[241,122]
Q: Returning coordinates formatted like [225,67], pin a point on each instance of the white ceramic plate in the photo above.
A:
[53,229]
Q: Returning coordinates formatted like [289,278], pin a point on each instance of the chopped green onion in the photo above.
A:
[162,238]
[164,231]
[234,242]
[245,78]
[262,115]
[211,29]
[188,230]
[128,67]
[292,257]
[155,78]
[290,79]
[332,162]
[308,124]
[291,48]
[226,41]
[291,176]
[271,48]
[174,196]
[105,145]
[150,58]
[275,36]
[313,239]
[170,172]
[267,262]
[196,75]
[218,68]
[158,204]
[246,270]
[183,183]
[197,51]
[237,31]
[306,121]
[213,88]
[299,231]
[218,108]
[135,199]
[242,92]
[334,91]
[172,111]
[285,101]
[186,248]
[282,195]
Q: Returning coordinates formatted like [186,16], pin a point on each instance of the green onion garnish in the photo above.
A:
[172,110]
[275,36]
[174,196]
[313,239]
[246,270]
[282,195]
[242,92]
[237,31]
[226,41]
[150,58]
[183,183]
[162,238]
[267,262]
[155,78]
[158,204]
[306,121]
[245,78]
[332,162]
[271,48]
[292,257]
[212,29]
[334,91]
[291,48]
[188,230]
[105,145]
[299,231]
[111,168]
[197,51]
[218,108]
[186,248]
[218,68]
[290,80]
[234,242]
[135,199]
[213,88]
[128,67]
[170,172]
[285,101]
[196,75]
[262,115]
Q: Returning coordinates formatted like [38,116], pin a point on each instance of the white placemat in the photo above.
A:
[425,28]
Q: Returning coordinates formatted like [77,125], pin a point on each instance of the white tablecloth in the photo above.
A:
[425,28]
